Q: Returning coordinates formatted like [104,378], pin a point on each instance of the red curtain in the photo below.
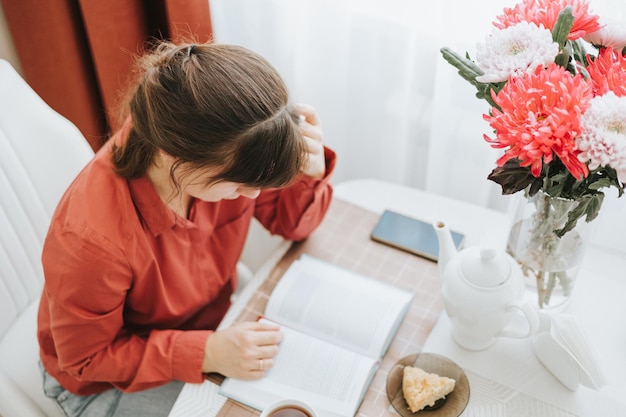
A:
[77,54]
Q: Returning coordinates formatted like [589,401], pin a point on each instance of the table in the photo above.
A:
[345,232]
[376,196]
[509,367]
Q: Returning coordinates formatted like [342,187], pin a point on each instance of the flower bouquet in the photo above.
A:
[554,75]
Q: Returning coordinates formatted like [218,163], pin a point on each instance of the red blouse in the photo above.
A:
[132,291]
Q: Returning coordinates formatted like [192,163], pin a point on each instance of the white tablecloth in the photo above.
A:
[508,378]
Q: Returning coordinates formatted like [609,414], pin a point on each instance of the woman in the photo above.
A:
[141,254]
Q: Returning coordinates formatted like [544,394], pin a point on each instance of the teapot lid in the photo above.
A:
[487,268]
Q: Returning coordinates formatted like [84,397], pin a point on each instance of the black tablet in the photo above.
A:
[410,234]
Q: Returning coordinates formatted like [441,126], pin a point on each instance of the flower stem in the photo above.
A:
[565,282]
[550,287]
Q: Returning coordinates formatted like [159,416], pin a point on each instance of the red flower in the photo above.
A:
[607,72]
[546,13]
[540,118]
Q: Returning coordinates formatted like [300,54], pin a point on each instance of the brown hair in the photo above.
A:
[212,105]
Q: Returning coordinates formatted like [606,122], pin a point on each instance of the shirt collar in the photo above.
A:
[157,216]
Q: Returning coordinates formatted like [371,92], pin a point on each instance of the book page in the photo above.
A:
[343,307]
[331,379]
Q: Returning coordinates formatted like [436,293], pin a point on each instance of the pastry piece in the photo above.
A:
[422,389]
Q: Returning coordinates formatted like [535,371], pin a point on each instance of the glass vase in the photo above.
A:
[550,263]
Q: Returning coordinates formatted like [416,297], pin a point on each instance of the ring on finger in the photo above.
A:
[260,364]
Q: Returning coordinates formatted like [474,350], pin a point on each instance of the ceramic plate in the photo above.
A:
[455,402]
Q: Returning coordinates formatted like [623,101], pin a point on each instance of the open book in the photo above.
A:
[337,324]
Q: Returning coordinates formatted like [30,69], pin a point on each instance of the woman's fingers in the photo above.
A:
[260,366]
[310,127]
[309,113]
[265,333]
[245,350]
[313,146]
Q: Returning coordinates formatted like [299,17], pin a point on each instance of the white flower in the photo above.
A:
[514,51]
[612,34]
[603,137]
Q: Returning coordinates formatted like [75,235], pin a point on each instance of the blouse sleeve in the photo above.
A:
[295,211]
[87,280]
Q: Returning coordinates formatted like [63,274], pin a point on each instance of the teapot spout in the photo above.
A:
[447,248]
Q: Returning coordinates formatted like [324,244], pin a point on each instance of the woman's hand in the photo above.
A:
[312,131]
[244,351]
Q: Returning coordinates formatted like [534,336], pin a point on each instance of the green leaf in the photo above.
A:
[579,52]
[560,32]
[562,60]
[563,26]
[611,176]
[556,183]
[469,71]
[511,177]
[601,183]
[602,177]
[535,186]
[584,72]
[466,67]
[588,206]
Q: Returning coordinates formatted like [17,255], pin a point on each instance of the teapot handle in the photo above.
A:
[532,316]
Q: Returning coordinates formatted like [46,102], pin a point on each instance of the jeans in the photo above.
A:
[155,402]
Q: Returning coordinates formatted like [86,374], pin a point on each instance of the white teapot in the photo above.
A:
[482,290]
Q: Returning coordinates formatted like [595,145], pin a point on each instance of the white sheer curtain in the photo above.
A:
[391,107]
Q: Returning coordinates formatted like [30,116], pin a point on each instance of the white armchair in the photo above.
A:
[40,153]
